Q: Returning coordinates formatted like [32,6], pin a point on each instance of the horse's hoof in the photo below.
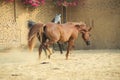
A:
[39,60]
[66,58]
[49,57]
[45,63]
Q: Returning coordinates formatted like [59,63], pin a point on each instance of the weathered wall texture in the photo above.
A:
[14,34]
[9,31]
[105,13]
[106,16]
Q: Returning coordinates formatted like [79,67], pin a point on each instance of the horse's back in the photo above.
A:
[52,31]
[64,30]
[61,32]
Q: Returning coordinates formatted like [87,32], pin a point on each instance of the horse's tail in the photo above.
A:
[36,30]
[31,43]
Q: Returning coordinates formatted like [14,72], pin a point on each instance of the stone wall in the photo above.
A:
[9,31]
[104,13]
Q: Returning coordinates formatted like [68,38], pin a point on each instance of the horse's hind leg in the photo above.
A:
[40,50]
[43,41]
[44,48]
[50,53]
[47,47]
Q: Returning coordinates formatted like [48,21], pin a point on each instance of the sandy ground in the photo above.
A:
[82,65]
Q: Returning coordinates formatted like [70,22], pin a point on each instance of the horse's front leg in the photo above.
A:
[70,45]
[60,47]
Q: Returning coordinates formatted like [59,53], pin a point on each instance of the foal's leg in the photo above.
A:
[70,45]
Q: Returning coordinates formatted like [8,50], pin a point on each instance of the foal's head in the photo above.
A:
[85,32]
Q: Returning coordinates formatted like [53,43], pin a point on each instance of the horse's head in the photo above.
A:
[85,31]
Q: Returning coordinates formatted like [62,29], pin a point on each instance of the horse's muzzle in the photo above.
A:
[88,43]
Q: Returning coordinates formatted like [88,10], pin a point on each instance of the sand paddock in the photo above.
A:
[82,65]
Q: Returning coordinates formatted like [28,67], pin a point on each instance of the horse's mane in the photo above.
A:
[76,23]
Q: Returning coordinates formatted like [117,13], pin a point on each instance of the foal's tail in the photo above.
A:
[35,30]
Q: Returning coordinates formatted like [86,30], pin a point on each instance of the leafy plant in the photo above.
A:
[10,0]
[66,2]
[33,3]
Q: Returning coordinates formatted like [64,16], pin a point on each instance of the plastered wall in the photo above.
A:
[13,21]
[104,13]
[106,17]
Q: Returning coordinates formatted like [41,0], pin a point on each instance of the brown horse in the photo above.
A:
[68,32]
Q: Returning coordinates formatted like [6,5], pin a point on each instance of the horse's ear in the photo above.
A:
[77,26]
[89,29]
[80,25]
